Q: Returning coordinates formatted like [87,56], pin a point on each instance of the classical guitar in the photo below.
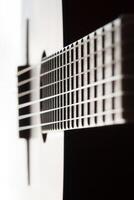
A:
[87,84]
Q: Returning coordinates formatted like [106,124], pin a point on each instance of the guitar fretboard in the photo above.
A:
[88,83]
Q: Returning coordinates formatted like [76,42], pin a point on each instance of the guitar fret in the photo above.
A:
[74,87]
[70,94]
[78,108]
[67,91]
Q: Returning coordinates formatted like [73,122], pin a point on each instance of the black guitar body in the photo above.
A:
[98,162]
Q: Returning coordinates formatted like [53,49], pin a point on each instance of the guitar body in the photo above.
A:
[45,157]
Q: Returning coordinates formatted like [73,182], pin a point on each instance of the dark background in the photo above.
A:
[99,162]
[84,16]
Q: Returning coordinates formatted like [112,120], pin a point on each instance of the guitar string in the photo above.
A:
[59,95]
[98,82]
[88,38]
[33,78]
[74,60]
[100,98]
[85,72]
[119,77]
[115,111]
[21,83]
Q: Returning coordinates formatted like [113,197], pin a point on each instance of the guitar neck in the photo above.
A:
[88,83]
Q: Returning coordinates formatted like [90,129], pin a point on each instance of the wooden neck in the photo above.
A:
[84,85]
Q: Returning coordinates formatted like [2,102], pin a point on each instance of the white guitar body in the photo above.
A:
[46,158]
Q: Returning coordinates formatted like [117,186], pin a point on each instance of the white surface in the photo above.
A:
[12,54]
[10,57]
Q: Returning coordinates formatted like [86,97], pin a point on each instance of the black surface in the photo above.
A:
[84,16]
[99,163]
